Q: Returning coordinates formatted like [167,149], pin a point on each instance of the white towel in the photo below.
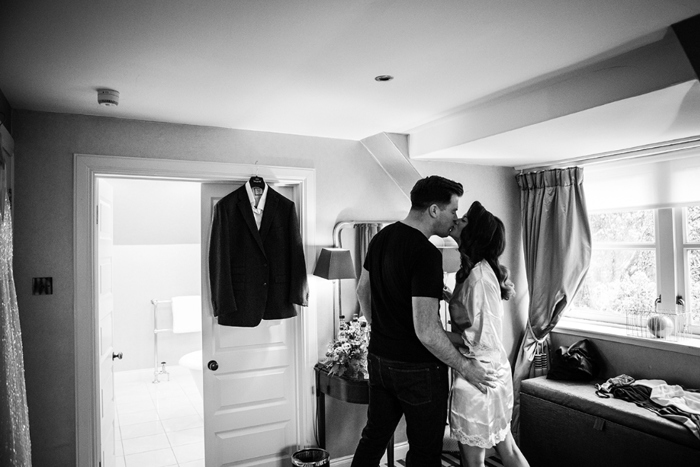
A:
[187,313]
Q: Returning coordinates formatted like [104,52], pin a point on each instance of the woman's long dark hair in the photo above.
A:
[484,238]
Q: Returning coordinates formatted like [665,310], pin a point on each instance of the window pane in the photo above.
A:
[692,223]
[619,281]
[631,226]
[694,280]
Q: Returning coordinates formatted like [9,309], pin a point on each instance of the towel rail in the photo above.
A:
[158,371]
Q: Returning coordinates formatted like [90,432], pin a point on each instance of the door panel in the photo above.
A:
[105,305]
[250,401]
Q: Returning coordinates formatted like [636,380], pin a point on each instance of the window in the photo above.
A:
[691,247]
[644,214]
[622,274]
[640,257]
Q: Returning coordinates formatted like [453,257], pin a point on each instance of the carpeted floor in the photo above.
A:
[451,459]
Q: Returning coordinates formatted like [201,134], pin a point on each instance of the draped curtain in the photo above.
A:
[14,417]
[363,235]
[557,246]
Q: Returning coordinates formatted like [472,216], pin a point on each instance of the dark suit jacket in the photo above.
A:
[255,274]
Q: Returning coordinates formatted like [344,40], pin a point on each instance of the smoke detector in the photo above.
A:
[108,97]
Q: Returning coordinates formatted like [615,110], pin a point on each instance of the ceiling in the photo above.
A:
[507,83]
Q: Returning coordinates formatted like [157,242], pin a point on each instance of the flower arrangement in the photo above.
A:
[347,354]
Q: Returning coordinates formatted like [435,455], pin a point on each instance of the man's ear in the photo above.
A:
[433,210]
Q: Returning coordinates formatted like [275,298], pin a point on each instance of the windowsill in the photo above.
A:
[572,326]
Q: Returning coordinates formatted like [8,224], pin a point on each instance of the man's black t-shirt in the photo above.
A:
[402,264]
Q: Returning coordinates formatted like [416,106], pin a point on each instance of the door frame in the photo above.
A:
[87,168]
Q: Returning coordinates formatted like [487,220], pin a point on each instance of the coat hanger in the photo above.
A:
[256,181]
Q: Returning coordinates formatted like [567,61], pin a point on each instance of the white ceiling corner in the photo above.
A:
[307,68]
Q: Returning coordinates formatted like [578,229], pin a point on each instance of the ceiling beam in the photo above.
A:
[652,67]
[389,151]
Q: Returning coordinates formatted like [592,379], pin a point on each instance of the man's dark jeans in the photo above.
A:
[417,390]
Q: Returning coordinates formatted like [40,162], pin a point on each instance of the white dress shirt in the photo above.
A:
[260,207]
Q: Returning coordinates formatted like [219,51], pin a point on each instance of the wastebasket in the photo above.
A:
[311,457]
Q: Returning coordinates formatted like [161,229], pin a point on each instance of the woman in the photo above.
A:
[457,229]
[480,421]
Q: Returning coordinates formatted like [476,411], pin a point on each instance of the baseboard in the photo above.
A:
[400,450]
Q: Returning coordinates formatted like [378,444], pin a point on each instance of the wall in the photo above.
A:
[142,273]
[497,189]
[350,185]
[157,255]
[640,362]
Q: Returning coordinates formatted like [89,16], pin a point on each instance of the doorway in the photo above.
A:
[155,277]
[87,169]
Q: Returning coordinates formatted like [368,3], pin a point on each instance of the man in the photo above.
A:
[399,292]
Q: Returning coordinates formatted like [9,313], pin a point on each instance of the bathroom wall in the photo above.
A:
[157,255]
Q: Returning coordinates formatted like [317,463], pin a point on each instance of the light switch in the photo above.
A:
[42,286]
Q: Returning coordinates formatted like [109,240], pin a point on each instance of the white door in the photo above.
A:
[105,307]
[250,400]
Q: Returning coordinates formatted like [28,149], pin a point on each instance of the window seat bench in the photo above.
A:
[564,423]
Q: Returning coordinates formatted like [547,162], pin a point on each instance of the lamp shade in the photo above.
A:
[335,263]
[450,259]
[450,253]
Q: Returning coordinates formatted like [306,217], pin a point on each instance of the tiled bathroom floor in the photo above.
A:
[158,425]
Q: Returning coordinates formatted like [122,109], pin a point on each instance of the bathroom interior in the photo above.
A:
[157,321]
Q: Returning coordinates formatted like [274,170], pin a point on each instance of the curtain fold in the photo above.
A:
[363,235]
[557,247]
[14,416]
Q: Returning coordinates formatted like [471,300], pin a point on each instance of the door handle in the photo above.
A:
[117,355]
[212,365]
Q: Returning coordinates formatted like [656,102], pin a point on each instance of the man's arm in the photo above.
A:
[364,295]
[432,335]
[456,339]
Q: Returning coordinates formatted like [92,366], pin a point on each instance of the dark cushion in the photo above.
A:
[582,397]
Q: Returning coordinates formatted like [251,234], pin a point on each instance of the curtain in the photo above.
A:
[363,235]
[14,417]
[557,247]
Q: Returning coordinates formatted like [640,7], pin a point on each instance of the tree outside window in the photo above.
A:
[622,274]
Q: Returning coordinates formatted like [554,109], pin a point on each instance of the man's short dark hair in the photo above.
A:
[434,190]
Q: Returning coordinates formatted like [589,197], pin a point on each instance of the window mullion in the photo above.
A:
[680,252]
[666,257]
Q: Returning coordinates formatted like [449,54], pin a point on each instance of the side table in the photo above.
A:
[354,392]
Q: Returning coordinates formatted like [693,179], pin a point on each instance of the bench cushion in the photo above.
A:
[565,424]
[582,397]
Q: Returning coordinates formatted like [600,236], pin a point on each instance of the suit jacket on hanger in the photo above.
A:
[253,274]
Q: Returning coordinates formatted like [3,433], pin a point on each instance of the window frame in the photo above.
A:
[683,264]
[672,270]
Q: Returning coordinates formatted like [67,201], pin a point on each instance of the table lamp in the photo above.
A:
[334,264]
[449,249]
[450,264]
